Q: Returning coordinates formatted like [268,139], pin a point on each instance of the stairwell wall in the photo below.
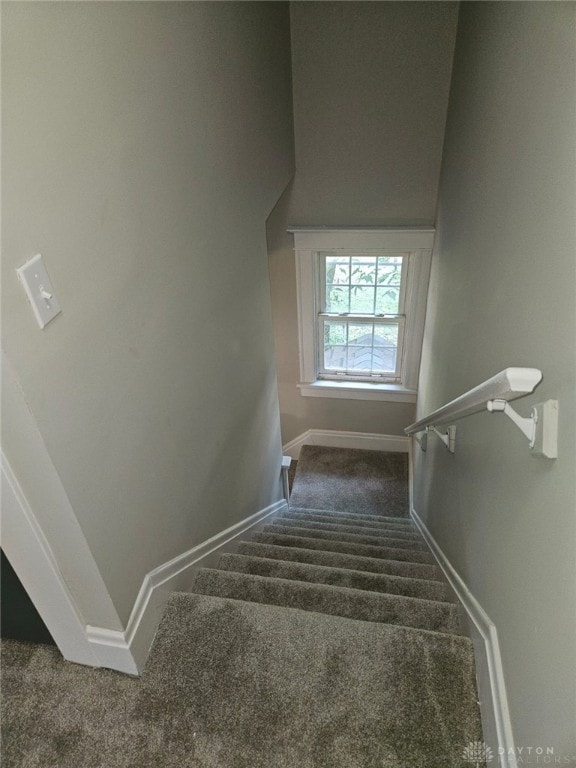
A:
[502,293]
[370,83]
[144,145]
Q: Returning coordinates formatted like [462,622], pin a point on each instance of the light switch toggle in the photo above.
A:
[34,278]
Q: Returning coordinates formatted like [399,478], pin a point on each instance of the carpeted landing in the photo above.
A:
[342,479]
[326,640]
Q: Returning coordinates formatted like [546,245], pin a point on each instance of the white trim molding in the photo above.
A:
[414,244]
[331,438]
[127,651]
[333,238]
[30,555]
[490,675]
[358,390]
[36,565]
[44,501]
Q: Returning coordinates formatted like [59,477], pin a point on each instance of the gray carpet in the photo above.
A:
[320,540]
[232,684]
[291,551]
[340,479]
[327,640]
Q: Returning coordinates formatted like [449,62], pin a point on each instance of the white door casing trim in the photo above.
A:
[30,555]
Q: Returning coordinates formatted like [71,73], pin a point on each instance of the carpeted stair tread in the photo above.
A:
[365,525]
[350,548]
[387,533]
[265,687]
[341,577]
[341,560]
[401,521]
[354,538]
[324,598]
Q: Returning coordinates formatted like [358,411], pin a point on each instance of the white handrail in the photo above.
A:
[506,385]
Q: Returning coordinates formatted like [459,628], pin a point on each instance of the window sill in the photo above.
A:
[357,390]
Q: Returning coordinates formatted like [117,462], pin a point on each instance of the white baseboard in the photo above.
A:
[331,438]
[490,675]
[112,650]
[127,651]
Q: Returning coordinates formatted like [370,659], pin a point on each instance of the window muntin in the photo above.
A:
[362,315]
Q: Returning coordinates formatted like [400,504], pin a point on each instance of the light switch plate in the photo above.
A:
[34,278]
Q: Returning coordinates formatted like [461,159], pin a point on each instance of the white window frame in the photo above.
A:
[417,243]
[349,318]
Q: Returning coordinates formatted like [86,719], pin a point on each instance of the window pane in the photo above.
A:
[387,301]
[337,269]
[360,338]
[360,359]
[389,270]
[364,348]
[360,333]
[337,298]
[363,270]
[361,300]
[334,333]
[385,347]
[335,349]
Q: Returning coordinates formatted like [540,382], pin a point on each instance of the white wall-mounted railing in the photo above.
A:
[541,427]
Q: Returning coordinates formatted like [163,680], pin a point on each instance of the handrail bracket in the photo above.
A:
[448,437]
[527,425]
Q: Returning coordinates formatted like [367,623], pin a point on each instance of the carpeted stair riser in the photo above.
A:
[385,533]
[341,560]
[404,522]
[401,531]
[366,550]
[338,577]
[335,601]
[417,548]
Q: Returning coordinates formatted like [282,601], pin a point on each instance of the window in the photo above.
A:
[361,317]
[361,306]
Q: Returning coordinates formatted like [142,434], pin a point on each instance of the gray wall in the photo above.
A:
[144,146]
[503,294]
[370,85]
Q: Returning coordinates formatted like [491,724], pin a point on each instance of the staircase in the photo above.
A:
[327,640]
[372,569]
